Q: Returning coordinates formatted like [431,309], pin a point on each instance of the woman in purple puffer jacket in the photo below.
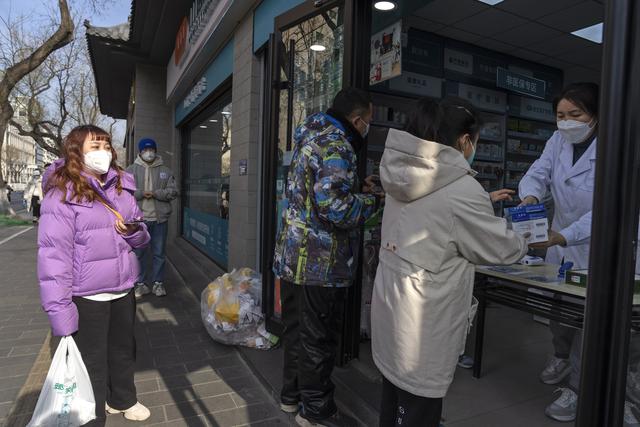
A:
[87,268]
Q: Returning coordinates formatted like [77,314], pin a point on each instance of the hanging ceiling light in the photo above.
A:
[592,33]
[317,48]
[384,6]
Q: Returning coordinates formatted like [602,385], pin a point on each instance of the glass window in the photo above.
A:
[207,159]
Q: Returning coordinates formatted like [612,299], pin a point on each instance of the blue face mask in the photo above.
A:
[472,156]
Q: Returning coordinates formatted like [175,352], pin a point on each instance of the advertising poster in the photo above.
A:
[386,54]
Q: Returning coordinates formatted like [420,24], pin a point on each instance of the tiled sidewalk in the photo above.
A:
[24,327]
[182,375]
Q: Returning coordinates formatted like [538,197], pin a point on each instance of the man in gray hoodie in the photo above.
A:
[156,188]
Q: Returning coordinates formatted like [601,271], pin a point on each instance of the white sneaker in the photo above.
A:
[137,412]
[159,290]
[555,371]
[564,408]
[289,409]
[630,419]
[140,289]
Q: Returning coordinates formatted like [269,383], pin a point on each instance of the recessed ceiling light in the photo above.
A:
[491,2]
[384,6]
[203,127]
[592,33]
[317,48]
[214,120]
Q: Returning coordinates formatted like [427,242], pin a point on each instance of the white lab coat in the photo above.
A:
[571,187]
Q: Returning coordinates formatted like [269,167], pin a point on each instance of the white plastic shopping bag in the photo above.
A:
[66,399]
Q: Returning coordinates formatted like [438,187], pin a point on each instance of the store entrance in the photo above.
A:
[307,67]
[510,60]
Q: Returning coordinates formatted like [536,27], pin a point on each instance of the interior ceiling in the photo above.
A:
[535,30]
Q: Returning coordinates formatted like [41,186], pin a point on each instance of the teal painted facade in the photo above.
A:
[218,71]
[263,18]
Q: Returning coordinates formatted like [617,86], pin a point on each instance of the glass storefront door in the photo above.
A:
[307,69]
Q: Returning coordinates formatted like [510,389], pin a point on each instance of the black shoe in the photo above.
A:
[336,420]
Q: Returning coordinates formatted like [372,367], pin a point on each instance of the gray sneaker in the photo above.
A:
[564,408]
[141,289]
[630,419]
[555,371]
[159,290]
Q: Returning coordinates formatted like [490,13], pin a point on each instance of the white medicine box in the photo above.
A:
[529,219]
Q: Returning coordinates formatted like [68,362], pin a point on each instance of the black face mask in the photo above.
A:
[353,135]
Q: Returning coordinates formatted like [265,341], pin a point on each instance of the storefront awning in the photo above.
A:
[148,38]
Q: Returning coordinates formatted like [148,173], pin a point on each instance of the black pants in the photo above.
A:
[35,206]
[107,344]
[401,408]
[312,317]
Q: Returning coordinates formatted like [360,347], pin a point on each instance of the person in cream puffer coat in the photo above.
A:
[438,223]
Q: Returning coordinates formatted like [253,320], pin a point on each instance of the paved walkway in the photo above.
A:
[182,375]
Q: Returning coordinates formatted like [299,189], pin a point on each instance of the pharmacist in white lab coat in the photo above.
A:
[565,171]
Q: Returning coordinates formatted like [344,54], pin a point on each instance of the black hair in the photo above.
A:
[351,101]
[584,95]
[445,121]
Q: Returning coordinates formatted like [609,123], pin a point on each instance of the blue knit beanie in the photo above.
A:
[146,143]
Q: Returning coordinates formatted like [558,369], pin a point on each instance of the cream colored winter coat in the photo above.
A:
[438,224]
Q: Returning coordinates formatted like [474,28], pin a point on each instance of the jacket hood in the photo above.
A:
[126,179]
[412,168]
[157,162]
[321,124]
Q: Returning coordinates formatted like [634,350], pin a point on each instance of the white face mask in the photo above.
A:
[98,161]
[574,131]
[148,156]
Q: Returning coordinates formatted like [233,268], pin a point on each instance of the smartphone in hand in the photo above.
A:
[134,221]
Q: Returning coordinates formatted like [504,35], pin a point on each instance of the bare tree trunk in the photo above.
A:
[15,73]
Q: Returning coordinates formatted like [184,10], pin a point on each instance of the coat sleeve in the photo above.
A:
[138,194]
[170,192]
[55,264]
[537,180]
[578,233]
[480,236]
[333,189]
[139,239]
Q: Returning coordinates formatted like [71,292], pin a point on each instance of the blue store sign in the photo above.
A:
[520,83]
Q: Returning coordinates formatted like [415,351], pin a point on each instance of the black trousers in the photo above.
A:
[401,408]
[107,344]
[312,317]
[35,206]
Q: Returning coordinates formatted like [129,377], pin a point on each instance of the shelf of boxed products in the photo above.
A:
[513,166]
[544,136]
[518,147]
[489,151]
[391,111]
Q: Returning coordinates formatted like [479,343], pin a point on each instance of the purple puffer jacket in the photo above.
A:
[80,252]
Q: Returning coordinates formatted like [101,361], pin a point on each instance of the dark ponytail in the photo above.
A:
[445,121]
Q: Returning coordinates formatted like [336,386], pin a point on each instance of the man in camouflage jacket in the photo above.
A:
[316,250]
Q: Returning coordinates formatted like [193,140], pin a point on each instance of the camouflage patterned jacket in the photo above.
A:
[317,244]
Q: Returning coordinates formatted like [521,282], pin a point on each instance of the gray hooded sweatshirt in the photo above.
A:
[158,179]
